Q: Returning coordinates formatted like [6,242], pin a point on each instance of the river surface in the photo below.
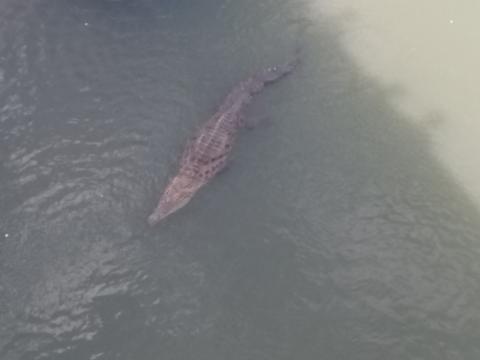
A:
[346,227]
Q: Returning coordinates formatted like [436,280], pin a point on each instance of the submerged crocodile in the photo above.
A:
[206,154]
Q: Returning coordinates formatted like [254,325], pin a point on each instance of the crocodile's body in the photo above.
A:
[207,153]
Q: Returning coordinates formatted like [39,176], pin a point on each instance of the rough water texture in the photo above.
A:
[336,234]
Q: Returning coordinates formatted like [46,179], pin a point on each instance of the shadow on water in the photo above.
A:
[347,240]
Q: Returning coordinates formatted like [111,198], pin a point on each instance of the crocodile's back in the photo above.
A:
[207,153]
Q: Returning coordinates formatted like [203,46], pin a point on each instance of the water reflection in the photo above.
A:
[429,50]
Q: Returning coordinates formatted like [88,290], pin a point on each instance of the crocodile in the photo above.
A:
[207,152]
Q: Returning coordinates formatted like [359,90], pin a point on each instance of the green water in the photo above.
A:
[335,233]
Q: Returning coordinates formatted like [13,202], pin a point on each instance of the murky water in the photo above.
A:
[337,233]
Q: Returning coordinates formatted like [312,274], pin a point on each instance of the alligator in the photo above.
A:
[206,154]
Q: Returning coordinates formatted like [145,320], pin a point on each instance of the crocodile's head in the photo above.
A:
[177,194]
